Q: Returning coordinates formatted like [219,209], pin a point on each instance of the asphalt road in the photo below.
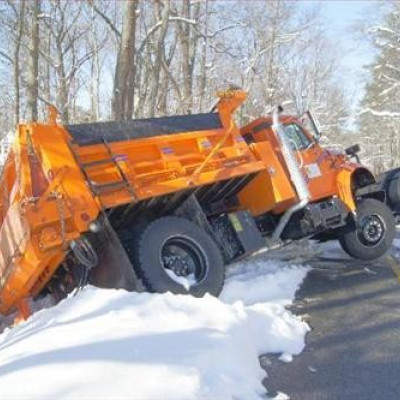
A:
[353,349]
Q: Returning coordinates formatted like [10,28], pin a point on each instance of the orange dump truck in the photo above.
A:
[166,203]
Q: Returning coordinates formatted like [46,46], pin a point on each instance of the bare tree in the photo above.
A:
[188,39]
[123,94]
[33,63]
[95,72]
[67,55]
[140,59]
[17,51]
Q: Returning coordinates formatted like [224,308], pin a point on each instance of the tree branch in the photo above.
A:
[7,57]
[106,19]
[154,28]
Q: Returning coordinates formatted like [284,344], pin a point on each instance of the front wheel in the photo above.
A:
[373,232]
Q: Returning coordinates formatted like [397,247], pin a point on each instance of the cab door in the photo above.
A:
[317,165]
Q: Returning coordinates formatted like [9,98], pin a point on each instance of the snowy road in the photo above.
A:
[353,349]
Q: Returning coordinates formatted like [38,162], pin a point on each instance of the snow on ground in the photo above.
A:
[111,344]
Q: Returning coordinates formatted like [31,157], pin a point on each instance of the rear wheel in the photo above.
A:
[373,232]
[175,255]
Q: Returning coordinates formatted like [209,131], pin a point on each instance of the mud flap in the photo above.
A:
[114,269]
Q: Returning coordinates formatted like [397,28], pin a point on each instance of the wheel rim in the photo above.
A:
[184,261]
[371,230]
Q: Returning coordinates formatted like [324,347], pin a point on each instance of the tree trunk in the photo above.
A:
[188,41]
[123,95]
[62,90]
[164,9]
[17,51]
[184,32]
[95,81]
[47,71]
[203,61]
[33,64]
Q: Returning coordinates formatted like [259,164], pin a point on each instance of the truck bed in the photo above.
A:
[60,179]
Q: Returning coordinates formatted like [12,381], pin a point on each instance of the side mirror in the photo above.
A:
[316,132]
[352,151]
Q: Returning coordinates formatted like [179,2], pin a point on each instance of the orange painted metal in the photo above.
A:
[334,178]
[271,189]
[24,311]
[47,200]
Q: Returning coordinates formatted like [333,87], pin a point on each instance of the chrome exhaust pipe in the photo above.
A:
[295,174]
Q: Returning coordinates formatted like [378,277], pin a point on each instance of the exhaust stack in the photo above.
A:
[295,173]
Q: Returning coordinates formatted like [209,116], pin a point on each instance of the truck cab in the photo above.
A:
[336,207]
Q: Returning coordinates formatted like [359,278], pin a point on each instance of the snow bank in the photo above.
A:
[110,344]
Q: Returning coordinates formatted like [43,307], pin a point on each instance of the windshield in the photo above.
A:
[297,138]
[310,123]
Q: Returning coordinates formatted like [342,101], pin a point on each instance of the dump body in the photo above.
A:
[58,180]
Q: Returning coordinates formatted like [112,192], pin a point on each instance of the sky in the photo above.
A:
[341,18]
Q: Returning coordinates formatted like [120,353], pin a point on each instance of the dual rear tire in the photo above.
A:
[173,254]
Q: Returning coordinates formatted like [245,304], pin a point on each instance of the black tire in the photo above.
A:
[154,247]
[373,232]
[393,190]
